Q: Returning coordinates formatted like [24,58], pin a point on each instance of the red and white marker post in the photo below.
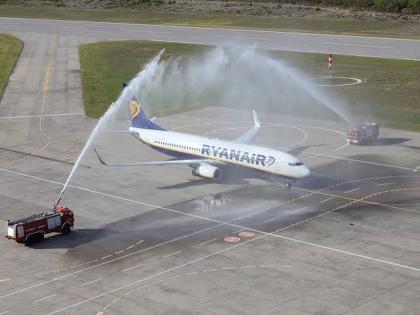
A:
[330,63]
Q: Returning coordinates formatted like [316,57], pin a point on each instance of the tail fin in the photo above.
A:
[139,118]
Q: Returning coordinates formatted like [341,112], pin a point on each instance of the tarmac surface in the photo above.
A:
[395,48]
[159,240]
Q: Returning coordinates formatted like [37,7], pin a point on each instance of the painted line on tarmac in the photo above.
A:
[5,312]
[326,200]
[44,298]
[172,254]
[187,235]
[358,45]
[90,282]
[4,280]
[341,147]
[352,190]
[207,242]
[359,161]
[264,234]
[133,267]
[45,115]
[383,184]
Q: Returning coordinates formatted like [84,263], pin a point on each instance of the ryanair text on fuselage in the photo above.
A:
[237,155]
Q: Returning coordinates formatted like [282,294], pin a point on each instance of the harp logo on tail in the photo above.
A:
[134,108]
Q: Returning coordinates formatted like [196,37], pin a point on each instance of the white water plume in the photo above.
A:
[114,112]
[233,77]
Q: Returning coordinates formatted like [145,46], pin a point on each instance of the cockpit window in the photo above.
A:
[296,164]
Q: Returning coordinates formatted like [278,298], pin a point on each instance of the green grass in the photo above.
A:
[390,92]
[10,48]
[204,19]
[106,65]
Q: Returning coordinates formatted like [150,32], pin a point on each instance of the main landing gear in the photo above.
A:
[289,183]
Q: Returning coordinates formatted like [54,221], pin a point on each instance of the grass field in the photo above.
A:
[10,48]
[389,92]
[203,19]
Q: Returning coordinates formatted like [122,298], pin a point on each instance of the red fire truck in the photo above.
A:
[33,228]
[366,132]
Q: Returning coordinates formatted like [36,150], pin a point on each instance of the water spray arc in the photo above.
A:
[112,112]
[233,77]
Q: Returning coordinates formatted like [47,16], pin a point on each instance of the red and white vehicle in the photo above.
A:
[366,132]
[33,228]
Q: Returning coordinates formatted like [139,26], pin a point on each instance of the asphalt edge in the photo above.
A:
[14,66]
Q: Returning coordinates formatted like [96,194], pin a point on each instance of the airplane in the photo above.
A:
[207,156]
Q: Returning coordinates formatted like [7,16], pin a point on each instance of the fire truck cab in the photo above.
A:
[365,132]
[33,228]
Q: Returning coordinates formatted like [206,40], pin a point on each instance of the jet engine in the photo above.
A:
[208,171]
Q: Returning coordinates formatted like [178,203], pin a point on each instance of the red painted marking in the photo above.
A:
[246,234]
[232,239]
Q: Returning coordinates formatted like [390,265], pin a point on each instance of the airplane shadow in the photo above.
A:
[158,225]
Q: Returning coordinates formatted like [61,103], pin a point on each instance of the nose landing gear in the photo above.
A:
[289,183]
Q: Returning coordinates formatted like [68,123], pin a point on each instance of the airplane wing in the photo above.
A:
[192,162]
[248,136]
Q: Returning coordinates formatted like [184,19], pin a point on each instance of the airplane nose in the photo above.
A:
[305,171]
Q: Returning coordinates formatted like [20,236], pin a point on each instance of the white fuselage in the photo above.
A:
[251,156]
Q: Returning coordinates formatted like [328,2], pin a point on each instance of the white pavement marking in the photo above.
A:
[130,247]
[358,45]
[278,217]
[228,268]
[106,307]
[270,220]
[133,267]
[206,242]
[172,254]
[77,266]
[5,312]
[274,266]
[359,161]
[139,242]
[107,256]
[352,190]
[44,298]
[225,250]
[119,252]
[199,231]
[37,116]
[383,184]
[90,282]
[92,261]
[326,200]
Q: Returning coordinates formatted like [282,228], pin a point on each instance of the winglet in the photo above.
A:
[256,119]
[101,160]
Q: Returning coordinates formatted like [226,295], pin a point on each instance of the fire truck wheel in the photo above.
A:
[66,229]
[34,238]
